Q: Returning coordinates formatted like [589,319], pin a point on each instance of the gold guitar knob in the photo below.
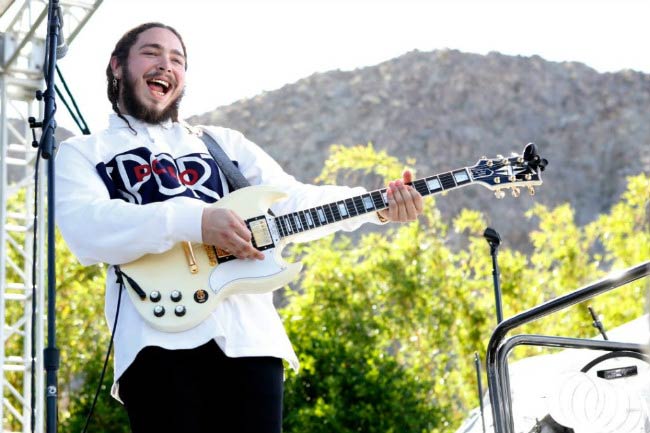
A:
[201,296]
[531,190]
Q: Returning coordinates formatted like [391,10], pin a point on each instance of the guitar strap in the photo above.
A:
[235,179]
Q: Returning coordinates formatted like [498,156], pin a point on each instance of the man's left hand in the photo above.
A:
[404,202]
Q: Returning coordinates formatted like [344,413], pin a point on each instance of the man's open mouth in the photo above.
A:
[158,86]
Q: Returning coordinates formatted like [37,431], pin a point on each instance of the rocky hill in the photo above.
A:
[447,108]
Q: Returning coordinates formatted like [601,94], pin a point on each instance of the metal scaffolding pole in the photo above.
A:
[22,42]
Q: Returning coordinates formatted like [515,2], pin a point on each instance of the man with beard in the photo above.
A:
[146,184]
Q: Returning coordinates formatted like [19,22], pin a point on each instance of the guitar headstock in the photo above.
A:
[514,172]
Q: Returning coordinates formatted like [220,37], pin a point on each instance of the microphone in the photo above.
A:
[61,47]
[492,236]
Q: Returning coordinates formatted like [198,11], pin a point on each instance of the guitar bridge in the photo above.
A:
[211,252]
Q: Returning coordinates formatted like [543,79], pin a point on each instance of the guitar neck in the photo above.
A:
[373,201]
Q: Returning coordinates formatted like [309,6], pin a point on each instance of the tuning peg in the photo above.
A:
[515,192]
[531,191]
[512,178]
[499,194]
[489,163]
[528,176]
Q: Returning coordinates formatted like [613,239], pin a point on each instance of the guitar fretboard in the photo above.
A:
[373,201]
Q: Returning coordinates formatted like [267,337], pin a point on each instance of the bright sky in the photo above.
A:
[240,48]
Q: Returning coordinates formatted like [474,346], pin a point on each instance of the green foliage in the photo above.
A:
[625,231]
[366,159]
[83,338]
[349,382]
[108,415]
[624,234]
[81,334]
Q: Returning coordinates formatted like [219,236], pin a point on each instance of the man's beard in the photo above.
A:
[135,108]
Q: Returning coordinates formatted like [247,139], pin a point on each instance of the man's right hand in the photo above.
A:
[224,229]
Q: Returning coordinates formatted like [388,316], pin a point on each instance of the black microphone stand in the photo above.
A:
[494,240]
[47,148]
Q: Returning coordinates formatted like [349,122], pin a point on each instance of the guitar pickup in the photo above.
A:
[262,239]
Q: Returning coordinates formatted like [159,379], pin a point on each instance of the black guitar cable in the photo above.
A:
[76,115]
[110,347]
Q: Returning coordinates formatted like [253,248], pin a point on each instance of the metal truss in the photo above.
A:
[22,51]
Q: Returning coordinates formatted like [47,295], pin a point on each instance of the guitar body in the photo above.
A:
[159,275]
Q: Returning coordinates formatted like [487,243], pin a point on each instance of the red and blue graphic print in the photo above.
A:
[140,177]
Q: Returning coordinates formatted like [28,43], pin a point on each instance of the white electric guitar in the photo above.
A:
[176,290]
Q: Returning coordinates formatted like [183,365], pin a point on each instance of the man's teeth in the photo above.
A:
[159,87]
[165,84]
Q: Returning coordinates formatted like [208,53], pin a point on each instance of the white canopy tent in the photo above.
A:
[553,385]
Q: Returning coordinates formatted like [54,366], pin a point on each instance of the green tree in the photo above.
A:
[83,339]
[81,335]
[398,303]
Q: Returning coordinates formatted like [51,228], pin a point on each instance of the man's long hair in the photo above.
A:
[121,52]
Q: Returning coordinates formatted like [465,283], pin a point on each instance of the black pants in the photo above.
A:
[202,391]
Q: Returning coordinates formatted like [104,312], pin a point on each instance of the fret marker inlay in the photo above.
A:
[433,184]
[461,176]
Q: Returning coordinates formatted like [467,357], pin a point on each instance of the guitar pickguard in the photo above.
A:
[248,276]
